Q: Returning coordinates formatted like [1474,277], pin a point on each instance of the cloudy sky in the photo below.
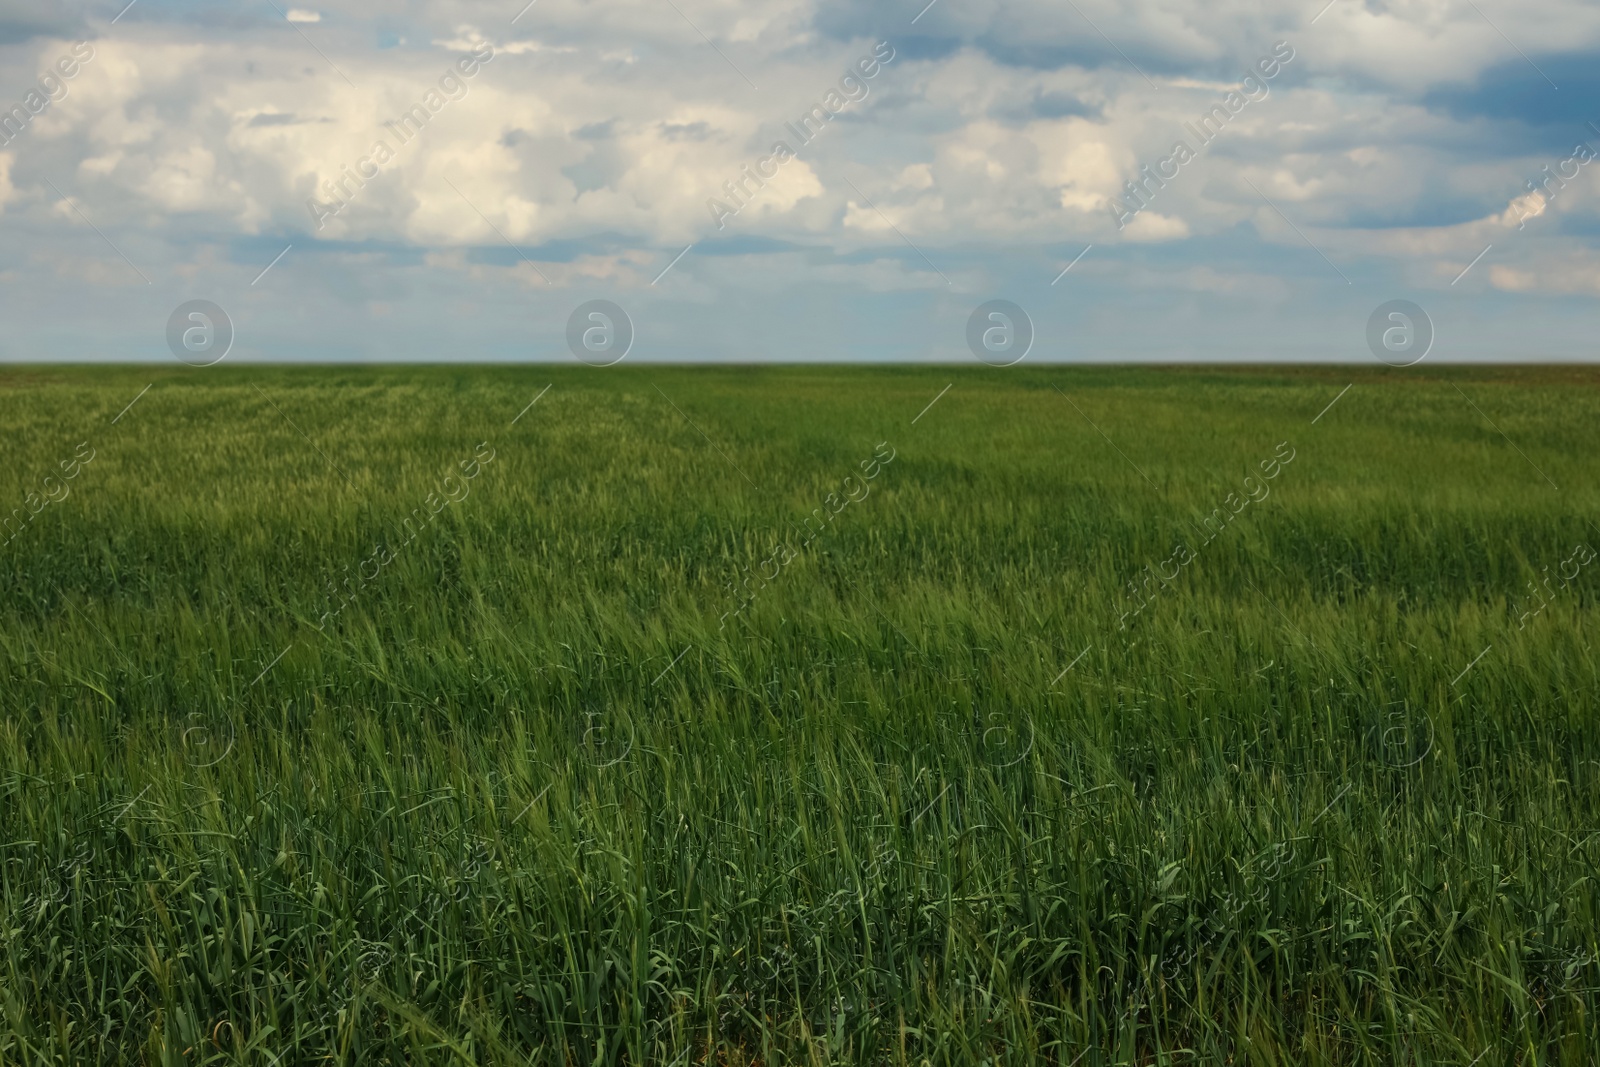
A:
[594,141]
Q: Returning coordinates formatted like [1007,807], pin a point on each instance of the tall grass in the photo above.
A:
[533,795]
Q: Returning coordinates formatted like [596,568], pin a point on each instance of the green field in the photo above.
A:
[730,716]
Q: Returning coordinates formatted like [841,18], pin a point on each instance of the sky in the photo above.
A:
[651,153]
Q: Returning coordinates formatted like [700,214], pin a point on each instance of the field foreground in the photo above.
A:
[1085,716]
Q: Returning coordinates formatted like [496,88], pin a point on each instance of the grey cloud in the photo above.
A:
[693,131]
[276,119]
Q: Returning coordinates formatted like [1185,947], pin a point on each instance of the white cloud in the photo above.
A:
[619,120]
[1574,271]
[950,149]
[1150,226]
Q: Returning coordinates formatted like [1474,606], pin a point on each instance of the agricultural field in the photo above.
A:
[560,715]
